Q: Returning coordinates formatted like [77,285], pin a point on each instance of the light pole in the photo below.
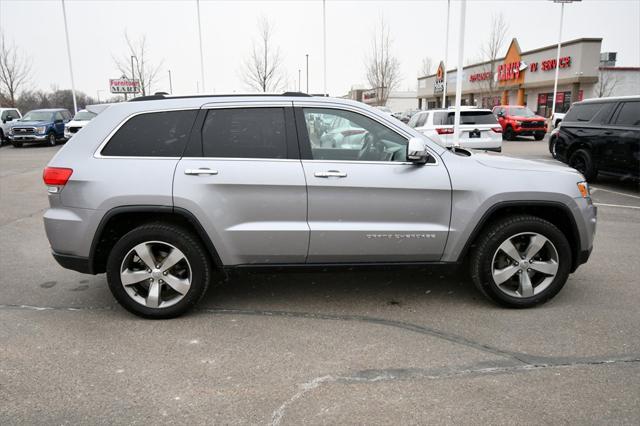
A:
[307,55]
[324,49]
[446,58]
[200,37]
[555,81]
[66,34]
[133,74]
[456,117]
[299,78]
[170,85]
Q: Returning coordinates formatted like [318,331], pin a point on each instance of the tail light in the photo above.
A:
[444,131]
[497,129]
[55,178]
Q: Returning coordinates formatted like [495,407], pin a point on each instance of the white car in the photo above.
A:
[479,128]
[557,118]
[7,117]
[79,120]
[344,134]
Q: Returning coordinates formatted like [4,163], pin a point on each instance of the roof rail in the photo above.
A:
[163,95]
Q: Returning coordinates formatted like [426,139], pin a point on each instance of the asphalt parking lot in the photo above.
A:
[366,347]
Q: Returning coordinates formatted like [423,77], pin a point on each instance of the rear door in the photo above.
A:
[625,129]
[243,179]
[367,203]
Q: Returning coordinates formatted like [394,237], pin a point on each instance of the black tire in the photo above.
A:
[552,146]
[488,243]
[195,253]
[538,136]
[16,144]
[2,138]
[581,161]
[51,139]
[509,134]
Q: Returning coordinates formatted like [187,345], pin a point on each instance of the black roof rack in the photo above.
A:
[163,95]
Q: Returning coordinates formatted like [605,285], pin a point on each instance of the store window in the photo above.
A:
[545,103]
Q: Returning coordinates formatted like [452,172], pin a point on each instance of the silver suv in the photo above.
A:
[161,192]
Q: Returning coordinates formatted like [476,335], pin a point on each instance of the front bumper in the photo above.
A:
[529,131]
[27,138]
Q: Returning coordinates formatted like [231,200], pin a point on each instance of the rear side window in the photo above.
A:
[629,114]
[155,134]
[245,133]
[583,112]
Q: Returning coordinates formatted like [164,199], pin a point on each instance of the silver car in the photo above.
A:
[161,191]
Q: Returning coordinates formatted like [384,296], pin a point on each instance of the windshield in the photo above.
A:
[521,112]
[84,116]
[38,116]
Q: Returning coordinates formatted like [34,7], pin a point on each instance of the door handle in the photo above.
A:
[330,173]
[201,171]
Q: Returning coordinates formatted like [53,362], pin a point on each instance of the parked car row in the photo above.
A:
[48,126]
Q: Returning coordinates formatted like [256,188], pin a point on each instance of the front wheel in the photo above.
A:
[158,271]
[582,162]
[16,144]
[509,134]
[521,261]
[538,136]
[51,139]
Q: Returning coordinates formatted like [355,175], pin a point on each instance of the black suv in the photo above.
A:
[601,136]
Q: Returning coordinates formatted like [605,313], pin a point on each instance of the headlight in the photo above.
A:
[583,187]
[11,130]
[41,129]
[519,123]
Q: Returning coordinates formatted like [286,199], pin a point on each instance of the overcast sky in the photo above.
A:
[228,27]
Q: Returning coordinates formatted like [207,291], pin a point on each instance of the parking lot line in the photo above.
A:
[594,189]
[616,205]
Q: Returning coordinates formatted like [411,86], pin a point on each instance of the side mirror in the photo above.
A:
[417,151]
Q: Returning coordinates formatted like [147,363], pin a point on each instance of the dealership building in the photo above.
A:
[526,78]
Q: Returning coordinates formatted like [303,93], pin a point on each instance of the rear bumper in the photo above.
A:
[75,263]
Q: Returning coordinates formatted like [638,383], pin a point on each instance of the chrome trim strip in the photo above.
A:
[247,104]
[281,160]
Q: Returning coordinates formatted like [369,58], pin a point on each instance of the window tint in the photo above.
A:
[344,135]
[58,116]
[156,134]
[245,133]
[629,114]
[422,119]
[466,117]
[583,112]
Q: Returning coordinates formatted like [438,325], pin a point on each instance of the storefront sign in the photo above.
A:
[580,95]
[438,84]
[550,64]
[481,76]
[559,97]
[124,85]
[509,71]
[542,99]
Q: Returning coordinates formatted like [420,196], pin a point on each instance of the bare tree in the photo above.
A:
[143,68]
[263,69]
[426,67]
[490,51]
[15,71]
[383,69]
[607,81]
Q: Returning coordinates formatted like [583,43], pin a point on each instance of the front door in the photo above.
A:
[366,202]
[245,184]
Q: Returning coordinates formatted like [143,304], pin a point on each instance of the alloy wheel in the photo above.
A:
[524,265]
[156,274]
[52,139]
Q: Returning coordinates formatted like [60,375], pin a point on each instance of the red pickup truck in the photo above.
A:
[519,121]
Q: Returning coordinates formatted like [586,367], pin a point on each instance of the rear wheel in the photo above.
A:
[521,261]
[538,136]
[509,134]
[582,162]
[158,271]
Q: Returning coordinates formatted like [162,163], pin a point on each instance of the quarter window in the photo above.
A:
[245,133]
[344,135]
[629,114]
[156,134]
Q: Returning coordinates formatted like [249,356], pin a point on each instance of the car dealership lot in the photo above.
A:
[382,346]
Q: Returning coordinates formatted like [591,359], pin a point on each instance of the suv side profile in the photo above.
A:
[162,191]
[601,136]
[40,125]
[7,115]
[520,121]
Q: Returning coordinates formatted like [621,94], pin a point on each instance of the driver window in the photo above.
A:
[348,136]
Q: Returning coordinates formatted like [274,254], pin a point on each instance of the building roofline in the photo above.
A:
[528,52]
[620,68]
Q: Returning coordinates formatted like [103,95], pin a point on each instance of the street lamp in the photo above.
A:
[555,81]
[170,84]
[446,53]
[307,55]
[66,35]
[456,117]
